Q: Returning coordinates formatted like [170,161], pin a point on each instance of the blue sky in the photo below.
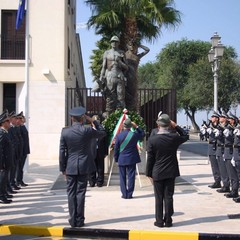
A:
[200,19]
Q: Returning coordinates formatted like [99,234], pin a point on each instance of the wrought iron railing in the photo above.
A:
[150,102]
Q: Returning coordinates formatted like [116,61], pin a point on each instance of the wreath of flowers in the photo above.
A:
[111,121]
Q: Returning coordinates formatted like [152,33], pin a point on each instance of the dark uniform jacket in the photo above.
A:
[212,141]
[236,144]
[6,159]
[162,150]
[75,156]
[129,154]
[25,137]
[228,141]
[220,140]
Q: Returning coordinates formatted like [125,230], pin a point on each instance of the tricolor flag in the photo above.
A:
[20,13]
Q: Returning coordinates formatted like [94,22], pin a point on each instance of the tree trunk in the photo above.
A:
[130,38]
[191,114]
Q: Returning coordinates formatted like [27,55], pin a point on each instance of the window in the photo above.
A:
[9,96]
[12,40]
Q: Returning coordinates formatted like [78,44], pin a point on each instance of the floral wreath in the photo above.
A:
[113,122]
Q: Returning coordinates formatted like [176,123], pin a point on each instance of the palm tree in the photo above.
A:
[132,21]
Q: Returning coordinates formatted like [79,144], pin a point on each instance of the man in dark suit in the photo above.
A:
[76,161]
[127,156]
[162,167]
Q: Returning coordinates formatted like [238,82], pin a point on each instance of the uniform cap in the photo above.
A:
[12,114]
[127,123]
[224,114]
[215,114]
[77,111]
[4,116]
[20,115]
[114,39]
[232,116]
[163,120]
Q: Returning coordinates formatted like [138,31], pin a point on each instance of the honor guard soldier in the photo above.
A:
[228,155]
[236,154]
[220,151]
[212,146]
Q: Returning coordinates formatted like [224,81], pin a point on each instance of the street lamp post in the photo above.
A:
[214,57]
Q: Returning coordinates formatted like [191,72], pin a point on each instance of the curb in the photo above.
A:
[111,233]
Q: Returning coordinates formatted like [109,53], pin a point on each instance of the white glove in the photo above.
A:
[216,132]
[226,132]
[233,162]
[203,131]
[209,130]
[236,132]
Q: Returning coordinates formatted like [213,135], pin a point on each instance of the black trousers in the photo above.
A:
[98,176]
[76,190]
[223,171]
[20,169]
[233,176]
[3,183]
[215,168]
[164,190]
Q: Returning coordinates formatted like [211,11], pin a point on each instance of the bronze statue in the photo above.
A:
[112,77]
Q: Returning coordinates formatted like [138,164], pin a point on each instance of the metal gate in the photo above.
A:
[150,102]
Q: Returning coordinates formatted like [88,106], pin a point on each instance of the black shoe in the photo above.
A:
[99,184]
[223,190]
[15,187]
[91,184]
[232,194]
[237,199]
[12,191]
[22,184]
[80,224]
[159,224]
[4,200]
[168,224]
[8,195]
[215,185]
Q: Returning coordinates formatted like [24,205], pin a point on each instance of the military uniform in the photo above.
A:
[77,162]
[228,155]
[219,154]
[236,154]
[5,158]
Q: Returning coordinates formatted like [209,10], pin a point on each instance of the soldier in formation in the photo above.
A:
[14,147]
[223,133]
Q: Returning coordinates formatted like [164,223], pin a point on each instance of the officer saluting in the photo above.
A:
[77,161]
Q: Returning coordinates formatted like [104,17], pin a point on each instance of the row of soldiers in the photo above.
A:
[14,148]
[223,133]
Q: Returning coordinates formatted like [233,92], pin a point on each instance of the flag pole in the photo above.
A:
[27,66]
[26,83]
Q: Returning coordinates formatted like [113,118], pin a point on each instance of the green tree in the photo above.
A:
[147,75]
[184,65]
[132,20]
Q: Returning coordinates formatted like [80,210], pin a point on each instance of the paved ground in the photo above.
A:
[197,207]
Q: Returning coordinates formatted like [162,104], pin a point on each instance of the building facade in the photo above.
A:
[37,86]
